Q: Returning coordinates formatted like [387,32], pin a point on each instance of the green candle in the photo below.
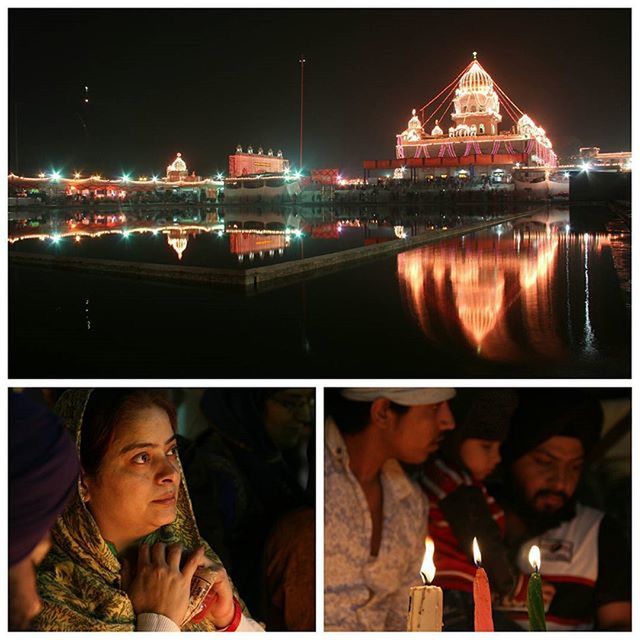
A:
[535,603]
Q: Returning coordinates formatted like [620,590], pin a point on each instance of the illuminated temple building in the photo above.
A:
[95,187]
[475,140]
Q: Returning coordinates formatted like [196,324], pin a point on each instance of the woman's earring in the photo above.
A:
[84,493]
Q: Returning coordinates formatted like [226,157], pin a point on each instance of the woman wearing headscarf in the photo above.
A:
[116,557]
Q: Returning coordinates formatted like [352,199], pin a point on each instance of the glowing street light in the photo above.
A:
[55,175]
[76,175]
[126,177]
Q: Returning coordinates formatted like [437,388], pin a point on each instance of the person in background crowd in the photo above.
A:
[43,470]
[252,467]
[375,516]
[289,573]
[585,555]
[461,507]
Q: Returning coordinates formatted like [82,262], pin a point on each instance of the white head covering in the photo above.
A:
[405,396]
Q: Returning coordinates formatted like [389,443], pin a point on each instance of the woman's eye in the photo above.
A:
[141,458]
[173,451]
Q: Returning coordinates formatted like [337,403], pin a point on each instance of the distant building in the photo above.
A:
[618,160]
[325,176]
[177,171]
[248,163]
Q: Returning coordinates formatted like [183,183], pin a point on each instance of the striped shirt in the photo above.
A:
[455,570]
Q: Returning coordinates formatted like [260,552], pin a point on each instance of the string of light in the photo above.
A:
[446,101]
[453,82]
[502,93]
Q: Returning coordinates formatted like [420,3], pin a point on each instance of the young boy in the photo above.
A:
[461,508]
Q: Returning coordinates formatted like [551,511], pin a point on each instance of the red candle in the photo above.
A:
[481,594]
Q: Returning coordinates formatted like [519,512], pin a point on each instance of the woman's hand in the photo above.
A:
[222,606]
[159,586]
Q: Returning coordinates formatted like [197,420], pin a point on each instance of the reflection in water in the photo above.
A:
[589,338]
[248,233]
[498,292]
[90,226]
[253,233]
[619,235]
[178,239]
[252,244]
[524,300]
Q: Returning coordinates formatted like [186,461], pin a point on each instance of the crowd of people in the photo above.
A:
[504,467]
[105,536]
[438,189]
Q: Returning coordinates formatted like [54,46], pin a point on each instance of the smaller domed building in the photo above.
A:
[177,170]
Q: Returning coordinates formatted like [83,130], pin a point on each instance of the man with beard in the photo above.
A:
[585,557]
[375,516]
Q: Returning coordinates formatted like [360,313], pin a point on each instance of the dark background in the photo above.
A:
[202,81]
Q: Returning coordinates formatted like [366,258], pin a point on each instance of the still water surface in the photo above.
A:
[225,238]
[546,296]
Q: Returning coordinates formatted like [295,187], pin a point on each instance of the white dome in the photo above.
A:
[476,79]
[178,164]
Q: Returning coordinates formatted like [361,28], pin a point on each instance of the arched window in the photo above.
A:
[481,128]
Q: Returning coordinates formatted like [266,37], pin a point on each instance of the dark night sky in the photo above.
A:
[202,81]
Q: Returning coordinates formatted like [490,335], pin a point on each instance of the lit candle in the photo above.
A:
[535,603]
[482,620]
[425,602]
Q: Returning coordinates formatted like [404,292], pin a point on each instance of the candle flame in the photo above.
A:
[477,556]
[428,568]
[534,557]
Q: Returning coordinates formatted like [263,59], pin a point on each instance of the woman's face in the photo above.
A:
[136,488]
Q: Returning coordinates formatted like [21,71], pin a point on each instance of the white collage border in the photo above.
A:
[319,384]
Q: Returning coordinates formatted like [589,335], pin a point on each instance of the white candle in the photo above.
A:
[425,602]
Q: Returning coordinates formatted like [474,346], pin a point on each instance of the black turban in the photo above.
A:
[43,468]
[545,413]
[480,413]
